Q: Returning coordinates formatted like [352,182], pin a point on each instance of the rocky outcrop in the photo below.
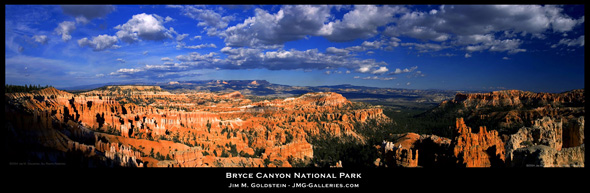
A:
[323,99]
[297,150]
[545,131]
[404,151]
[465,149]
[123,155]
[482,149]
[234,94]
[545,156]
[401,153]
[41,127]
[547,144]
[435,151]
[189,158]
[511,109]
[573,132]
[520,99]
[524,119]
[147,126]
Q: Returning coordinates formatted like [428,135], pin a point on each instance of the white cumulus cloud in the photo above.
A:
[291,22]
[144,26]
[210,19]
[42,39]
[337,51]
[211,45]
[380,70]
[405,70]
[64,29]
[476,27]
[362,22]
[99,43]
[570,42]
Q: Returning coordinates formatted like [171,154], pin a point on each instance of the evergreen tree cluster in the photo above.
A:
[8,88]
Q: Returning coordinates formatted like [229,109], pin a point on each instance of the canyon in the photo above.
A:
[548,131]
[145,126]
[148,126]
[509,110]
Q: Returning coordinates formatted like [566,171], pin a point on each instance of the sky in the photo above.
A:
[537,48]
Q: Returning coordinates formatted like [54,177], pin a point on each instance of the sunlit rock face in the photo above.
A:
[480,149]
[547,144]
[514,108]
[145,126]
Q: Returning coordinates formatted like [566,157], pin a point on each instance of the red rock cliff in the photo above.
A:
[477,149]
[157,127]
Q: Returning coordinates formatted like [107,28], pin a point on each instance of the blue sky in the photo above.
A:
[536,48]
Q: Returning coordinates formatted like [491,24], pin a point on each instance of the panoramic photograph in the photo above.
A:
[294,86]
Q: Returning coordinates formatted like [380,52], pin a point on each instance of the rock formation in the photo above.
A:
[520,98]
[542,145]
[483,149]
[405,150]
[545,131]
[573,132]
[545,156]
[401,153]
[465,149]
[145,126]
[512,109]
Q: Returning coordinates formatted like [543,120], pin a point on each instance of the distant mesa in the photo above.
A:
[127,90]
[240,82]
[218,82]
[134,87]
[265,88]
